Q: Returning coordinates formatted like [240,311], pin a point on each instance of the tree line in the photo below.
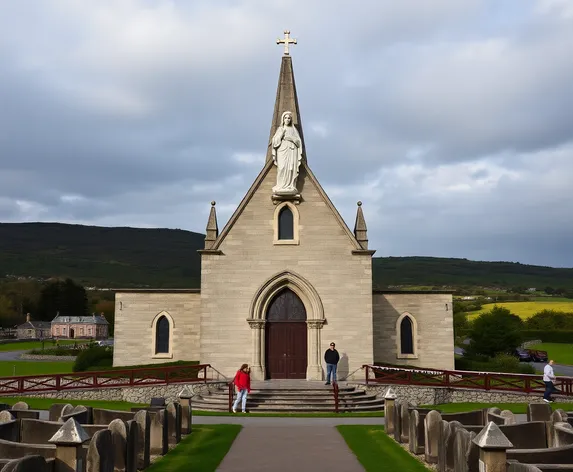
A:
[44,300]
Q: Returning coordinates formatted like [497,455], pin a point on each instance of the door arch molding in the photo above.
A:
[315,320]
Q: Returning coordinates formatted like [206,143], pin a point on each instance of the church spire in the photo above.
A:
[360,231]
[286,99]
[212,228]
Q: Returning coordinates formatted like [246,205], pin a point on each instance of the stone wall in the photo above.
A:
[322,258]
[129,394]
[34,357]
[135,313]
[417,395]
[434,340]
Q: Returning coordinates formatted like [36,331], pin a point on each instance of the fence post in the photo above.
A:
[493,446]
[367,373]
[205,373]
[230,397]
[58,383]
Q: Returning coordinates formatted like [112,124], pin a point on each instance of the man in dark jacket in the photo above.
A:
[331,358]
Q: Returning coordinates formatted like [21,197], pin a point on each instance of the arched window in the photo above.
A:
[406,336]
[162,335]
[286,223]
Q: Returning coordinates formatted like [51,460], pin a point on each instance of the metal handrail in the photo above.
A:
[336,397]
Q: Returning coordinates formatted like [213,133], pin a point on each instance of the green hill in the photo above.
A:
[463,272]
[105,257]
[138,257]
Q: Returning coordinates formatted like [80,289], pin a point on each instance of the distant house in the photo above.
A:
[80,327]
[34,329]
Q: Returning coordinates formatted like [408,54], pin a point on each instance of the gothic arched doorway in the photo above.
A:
[286,337]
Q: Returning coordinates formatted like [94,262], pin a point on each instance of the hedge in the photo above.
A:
[548,336]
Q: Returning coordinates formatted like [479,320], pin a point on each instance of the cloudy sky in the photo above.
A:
[451,120]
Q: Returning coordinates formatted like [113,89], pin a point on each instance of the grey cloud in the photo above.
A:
[139,108]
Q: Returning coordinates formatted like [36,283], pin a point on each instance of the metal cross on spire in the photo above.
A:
[287,41]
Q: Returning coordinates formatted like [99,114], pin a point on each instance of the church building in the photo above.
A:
[283,279]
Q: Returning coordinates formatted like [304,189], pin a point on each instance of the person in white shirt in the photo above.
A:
[548,380]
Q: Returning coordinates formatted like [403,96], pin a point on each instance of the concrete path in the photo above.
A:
[264,448]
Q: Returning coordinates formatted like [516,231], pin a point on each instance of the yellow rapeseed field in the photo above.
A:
[525,309]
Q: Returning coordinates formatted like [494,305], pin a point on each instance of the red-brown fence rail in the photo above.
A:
[464,379]
[141,377]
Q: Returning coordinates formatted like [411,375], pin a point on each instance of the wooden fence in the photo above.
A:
[464,379]
[141,377]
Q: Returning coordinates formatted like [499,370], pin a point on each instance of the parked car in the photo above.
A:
[538,356]
[105,342]
[523,355]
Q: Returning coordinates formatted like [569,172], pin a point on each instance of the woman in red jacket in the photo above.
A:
[242,383]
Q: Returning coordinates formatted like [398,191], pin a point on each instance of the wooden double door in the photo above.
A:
[286,337]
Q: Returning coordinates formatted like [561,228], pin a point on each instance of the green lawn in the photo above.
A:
[376,451]
[11,368]
[46,403]
[29,345]
[560,353]
[201,451]
[513,407]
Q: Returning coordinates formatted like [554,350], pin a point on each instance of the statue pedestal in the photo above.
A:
[279,198]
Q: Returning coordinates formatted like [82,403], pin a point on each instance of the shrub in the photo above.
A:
[550,320]
[494,332]
[101,357]
[500,363]
[58,351]
[505,363]
[548,335]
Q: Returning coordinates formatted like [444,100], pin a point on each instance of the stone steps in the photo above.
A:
[293,400]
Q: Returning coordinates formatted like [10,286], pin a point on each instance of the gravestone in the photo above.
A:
[55,411]
[432,436]
[443,445]
[539,412]
[143,420]
[397,421]
[508,416]
[27,464]
[450,450]
[389,406]
[171,410]
[157,403]
[67,409]
[133,446]
[119,440]
[6,416]
[462,441]
[185,397]
[100,456]
[405,422]
[20,406]
[413,440]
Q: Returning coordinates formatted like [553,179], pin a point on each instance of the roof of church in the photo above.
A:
[286,100]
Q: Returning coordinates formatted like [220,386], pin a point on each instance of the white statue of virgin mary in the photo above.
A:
[287,155]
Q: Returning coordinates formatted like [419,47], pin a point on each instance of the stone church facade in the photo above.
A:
[283,279]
